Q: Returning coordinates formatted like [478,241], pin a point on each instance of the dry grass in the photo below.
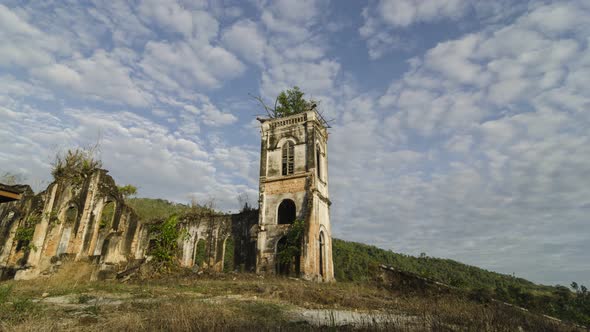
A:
[241,302]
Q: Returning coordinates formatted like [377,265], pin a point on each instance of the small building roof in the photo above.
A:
[10,193]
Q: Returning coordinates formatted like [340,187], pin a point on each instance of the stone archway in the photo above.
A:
[286,263]
[199,254]
[286,213]
[228,255]
[71,223]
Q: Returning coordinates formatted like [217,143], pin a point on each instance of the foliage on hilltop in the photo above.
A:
[152,208]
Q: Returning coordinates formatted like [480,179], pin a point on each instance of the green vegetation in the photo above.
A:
[150,208]
[165,241]
[292,102]
[354,261]
[5,291]
[71,215]
[288,102]
[127,191]
[228,257]
[76,164]
[52,216]
[360,262]
[24,233]
[291,249]
[107,215]
[200,254]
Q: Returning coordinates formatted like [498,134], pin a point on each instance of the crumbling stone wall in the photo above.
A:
[215,230]
[67,221]
[89,221]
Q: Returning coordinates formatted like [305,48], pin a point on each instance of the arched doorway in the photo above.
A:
[107,216]
[199,254]
[287,258]
[322,254]
[228,255]
[287,212]
[70,221]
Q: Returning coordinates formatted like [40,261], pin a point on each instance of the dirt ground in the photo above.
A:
[190,302]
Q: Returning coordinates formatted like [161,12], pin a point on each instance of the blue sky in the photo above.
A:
[461,128]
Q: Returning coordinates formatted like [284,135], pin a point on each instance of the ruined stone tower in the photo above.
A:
[294,186]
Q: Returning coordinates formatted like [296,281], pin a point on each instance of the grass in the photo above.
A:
[243,302]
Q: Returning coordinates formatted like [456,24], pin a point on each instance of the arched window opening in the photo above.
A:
[286,263]
[322,253]
[108,213]
[199,254]
[71,218]
[288,158]
[318,162]
[286,213]
[71,215]
[228,255]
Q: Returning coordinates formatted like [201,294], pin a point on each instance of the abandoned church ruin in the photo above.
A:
[86,219]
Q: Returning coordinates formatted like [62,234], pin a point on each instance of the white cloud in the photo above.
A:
[314,77]
[100,76]
[181,64]
[169,15]
[121,20]
[407,12]
[387,22]
[245,38]
[23,44]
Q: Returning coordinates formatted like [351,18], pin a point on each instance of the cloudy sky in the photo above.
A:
[461,128]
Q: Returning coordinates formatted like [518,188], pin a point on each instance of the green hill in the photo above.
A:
[359,262]
[155,208]
[354,261]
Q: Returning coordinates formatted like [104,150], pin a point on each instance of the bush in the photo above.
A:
[77,164]
[166,234]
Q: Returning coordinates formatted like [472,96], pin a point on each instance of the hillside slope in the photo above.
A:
[359,262]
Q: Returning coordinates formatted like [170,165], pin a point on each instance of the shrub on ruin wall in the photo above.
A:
[76,164]
[166,235]
[292,248]
[288,102]
[24,233]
